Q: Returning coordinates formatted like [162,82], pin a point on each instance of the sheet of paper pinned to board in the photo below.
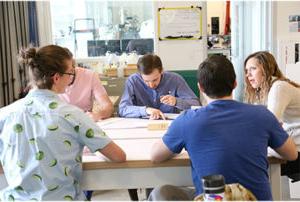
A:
[180,23]
[293,72]
[288,53]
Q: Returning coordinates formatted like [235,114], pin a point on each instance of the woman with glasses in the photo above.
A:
[86,89]
[42,137]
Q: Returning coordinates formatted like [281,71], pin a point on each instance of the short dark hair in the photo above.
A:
[216,76]
[147,63]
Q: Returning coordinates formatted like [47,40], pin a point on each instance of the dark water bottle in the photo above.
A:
[213,187]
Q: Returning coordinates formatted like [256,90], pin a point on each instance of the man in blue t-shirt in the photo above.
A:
[225,137]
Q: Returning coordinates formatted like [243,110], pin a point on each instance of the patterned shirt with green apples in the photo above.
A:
[41,144]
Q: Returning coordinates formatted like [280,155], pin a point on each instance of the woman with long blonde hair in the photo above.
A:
[257,92]
[266,85]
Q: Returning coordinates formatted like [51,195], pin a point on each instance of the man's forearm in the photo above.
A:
[132,111]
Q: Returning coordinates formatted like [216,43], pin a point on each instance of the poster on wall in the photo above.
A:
[288,51]
[180,23]
[294,23]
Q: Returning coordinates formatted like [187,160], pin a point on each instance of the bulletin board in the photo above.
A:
[181,23]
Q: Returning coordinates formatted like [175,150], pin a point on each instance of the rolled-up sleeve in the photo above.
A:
[127,107]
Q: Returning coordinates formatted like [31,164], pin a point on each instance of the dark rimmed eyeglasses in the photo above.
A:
[71,74]
[73,77]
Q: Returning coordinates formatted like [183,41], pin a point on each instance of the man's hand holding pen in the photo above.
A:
[168,100]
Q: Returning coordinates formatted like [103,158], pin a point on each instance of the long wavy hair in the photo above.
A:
[271,73]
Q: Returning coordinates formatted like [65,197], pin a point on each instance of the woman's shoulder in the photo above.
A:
[283,89]
[283,85]
[280,84]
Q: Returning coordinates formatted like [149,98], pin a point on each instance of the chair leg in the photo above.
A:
[133,194]
[148,191]
[88,195]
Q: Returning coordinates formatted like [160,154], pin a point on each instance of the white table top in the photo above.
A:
[131,128]
[136,140]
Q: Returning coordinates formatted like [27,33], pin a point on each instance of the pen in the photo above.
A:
[169,93]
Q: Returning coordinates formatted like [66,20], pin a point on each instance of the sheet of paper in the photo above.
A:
[122,123]
[169,116]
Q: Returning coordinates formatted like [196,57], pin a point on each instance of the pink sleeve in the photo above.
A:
[97,87]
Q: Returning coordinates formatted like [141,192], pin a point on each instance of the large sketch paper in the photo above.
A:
[288,53]
[123,123]
[293,72]
[130,128]
[180,23]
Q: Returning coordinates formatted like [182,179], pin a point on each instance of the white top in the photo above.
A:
[284,103]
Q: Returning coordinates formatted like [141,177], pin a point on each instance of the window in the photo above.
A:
[93,28]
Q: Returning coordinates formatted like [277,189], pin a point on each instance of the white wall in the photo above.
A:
[44,22]
[282,11]
[216,9]
[181,54]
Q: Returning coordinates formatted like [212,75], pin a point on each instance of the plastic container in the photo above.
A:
[213,188]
